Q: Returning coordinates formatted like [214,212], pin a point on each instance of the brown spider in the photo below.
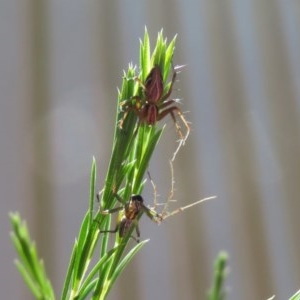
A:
[131,209]
[154,106]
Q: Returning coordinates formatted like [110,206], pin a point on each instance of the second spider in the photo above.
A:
[129,216]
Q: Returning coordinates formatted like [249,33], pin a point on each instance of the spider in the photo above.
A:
[132,208]
[154,105]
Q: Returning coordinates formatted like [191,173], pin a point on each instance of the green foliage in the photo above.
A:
[29,265]
[133,147]
[296,296]
[217,290]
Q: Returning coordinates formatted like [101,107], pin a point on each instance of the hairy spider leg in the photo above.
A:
[165,213]
[181,209]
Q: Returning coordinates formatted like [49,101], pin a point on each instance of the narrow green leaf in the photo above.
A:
[104,260]
[169,58]
[217,290]
[30,266]
[105,237]
[92,191]
[69,272]
[145,60]
[31,283]
[18,247]
[145,159]
[81,255]
[124,263]
[296,296]
[87,290]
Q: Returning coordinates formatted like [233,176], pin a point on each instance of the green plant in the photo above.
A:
[29,265]
[217,290]
[133,147]
[296,296]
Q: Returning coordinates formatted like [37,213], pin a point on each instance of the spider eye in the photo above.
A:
[138,198]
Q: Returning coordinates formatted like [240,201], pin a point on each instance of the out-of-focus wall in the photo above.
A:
[60,65]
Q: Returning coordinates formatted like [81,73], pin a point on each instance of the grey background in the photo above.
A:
[60,65]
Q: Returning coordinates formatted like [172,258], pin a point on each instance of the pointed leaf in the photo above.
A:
[124,263]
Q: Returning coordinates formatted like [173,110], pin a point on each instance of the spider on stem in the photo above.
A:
[132,208]
[154,105]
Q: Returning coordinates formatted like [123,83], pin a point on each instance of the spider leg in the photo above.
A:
[119,198]
[111,230]
[138,233]
[165,213]
[140,83]
[106,212]
[180,209]
[167,95]
[124,227]
[109,211]
[171,110]
[171,194]
[134,107]
[152,214]
[154,191]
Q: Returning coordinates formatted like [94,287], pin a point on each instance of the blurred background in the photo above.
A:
[60,65]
